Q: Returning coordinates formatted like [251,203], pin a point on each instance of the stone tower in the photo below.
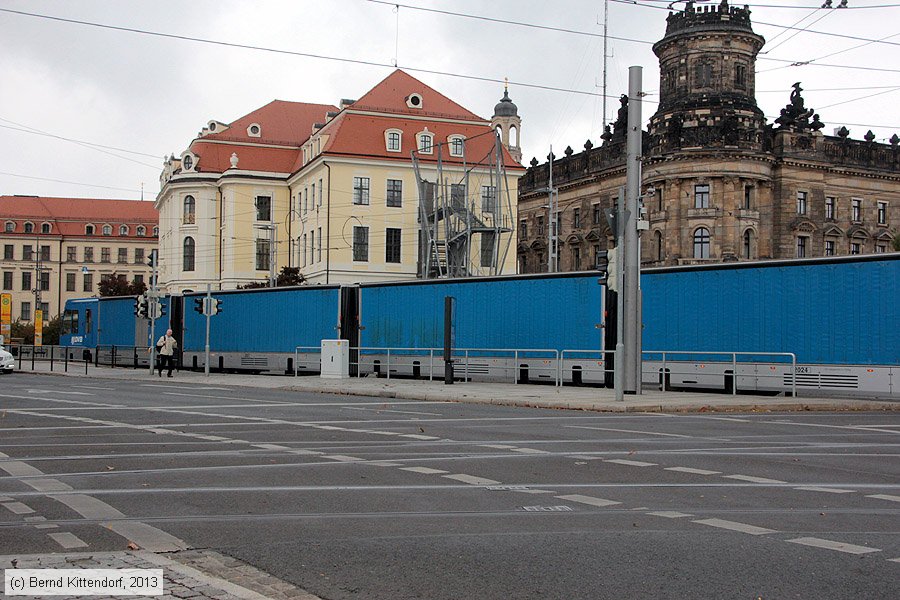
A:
[707,62]
[506,120]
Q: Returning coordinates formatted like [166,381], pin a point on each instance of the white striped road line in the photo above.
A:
[752,479]
[529,451]
[584,457]
[830,545]
[735,526]
[342,458]
[885,497]
[497,446]
[38,523]
[403,412]
[416,436]
[630,463]
[896,560]
[812,488]
[67,540]
[471,479]
[272,447]
[591,500]
[17,508]
[302,452]
[93,387]
[692,470]
[675,435]
[383,463]
[669,514]
[6,499]
[423,470]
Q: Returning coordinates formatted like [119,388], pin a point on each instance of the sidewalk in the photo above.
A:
[534,396]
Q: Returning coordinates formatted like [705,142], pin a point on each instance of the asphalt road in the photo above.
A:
[352,497]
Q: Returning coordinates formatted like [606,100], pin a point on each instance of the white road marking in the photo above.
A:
[67,540]
[17,508]
[416,436]
[630,463]
[812,488]
[342,458]
[306,452]
[471,479]
[271,447]
[529,451]
[669,514]
[830,545]
[497,446]
[591,500]
[423,470]
[896,560]
[46,526]
[93,387]
[383,463]
[692,470]
[6,499]
[60,392]
[752,479]
[390,410]
[675,435]
[735,526]
[885,497]
[584,457]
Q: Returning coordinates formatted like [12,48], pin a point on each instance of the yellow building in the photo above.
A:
[333,190]
[55,249]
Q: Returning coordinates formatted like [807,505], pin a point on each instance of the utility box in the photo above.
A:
[335,359]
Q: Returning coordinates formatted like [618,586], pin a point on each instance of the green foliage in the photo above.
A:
[20,330]
[896,242]
[52,330]
[116,285]
[289,276]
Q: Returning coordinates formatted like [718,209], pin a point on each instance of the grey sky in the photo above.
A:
[152,95]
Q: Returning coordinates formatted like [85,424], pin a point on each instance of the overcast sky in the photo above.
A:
[150,95]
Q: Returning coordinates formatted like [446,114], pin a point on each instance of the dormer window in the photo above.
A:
[107,230]
[254,130]
[29,227]
[425,142]
[141,231]
[414,101]
[457,145]
[123,229]
[45,227]
[392,140]
[188,162]
[156,232]
[9,227]
[89,230]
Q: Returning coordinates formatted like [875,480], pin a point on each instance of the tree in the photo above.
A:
[117,285]
[896,242]
[289,276]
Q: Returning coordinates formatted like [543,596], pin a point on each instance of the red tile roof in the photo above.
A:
[216,158]
[68,216]
[390,96]
[280,122]
[363,136]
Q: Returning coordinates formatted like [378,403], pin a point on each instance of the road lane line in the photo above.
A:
[752,479]
[591,500]
[885,497]
[423,470]
[17,508]
[271,447]
[67,540]
[812,488]
[471,479]
[896,560]
[692,470]
[669,514]
[830,545]
[383,463]
[583,457]
[630,463]
[529,451]
[342,458]
[497,446]
[675,435]
[416,436]
[735,526]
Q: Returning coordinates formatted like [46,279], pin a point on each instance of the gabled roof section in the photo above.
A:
[391,94]
[216,158]
[280,122]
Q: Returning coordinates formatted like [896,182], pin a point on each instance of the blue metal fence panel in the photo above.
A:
[840,313]
[264,321]
[553,313]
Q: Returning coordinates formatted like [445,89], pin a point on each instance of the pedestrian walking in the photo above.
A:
[166,346]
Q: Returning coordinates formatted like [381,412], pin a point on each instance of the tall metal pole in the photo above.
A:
[605,26]
[207,305]
[272,255]
[551,237]
[632,259]
[153,298]
[619,365]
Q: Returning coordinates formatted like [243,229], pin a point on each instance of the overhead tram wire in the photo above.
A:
[786,6]
[28,129]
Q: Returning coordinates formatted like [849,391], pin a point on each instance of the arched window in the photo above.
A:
[107,230]
[748,244]
[701,243]
[9,227]
[156,232]
[514,136]
[141,231]
[123,229]
[29,227]
[45,228]
[457,145]
[426,143]
[392,140]
[88,230]
[189,207]
[657,237]
[188,254]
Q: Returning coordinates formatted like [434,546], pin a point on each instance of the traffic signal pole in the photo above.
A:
[154,297]
[632,262]
[207,306]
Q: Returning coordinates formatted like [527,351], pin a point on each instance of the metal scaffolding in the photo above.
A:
[465,208]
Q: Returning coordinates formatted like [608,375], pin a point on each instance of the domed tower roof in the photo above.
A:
[506,107]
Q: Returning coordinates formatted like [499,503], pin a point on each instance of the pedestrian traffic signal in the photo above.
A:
[198,305]
[216,306]
[151,260]
[140,307]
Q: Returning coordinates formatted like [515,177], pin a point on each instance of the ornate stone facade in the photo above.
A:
[725,185]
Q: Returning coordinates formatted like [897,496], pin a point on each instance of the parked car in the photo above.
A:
[7,362]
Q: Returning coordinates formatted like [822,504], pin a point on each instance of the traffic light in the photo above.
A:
[198,305]
[139,306]
[612,269]
[151,260]
[217,306]
[161,311]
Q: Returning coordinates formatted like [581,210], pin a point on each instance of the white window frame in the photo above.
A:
[419,139]
[452,142]
[387,140]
